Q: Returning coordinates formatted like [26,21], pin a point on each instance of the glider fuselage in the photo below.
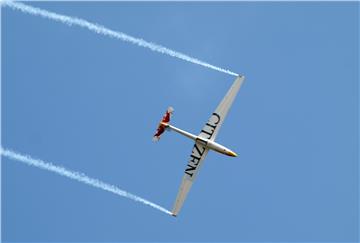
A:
[208,143]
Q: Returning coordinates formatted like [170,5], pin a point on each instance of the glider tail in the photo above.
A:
[163,124]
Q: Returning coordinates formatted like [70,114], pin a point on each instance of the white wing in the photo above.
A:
[213,125]
[197,156]
[200,150]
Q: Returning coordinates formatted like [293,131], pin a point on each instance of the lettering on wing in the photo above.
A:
[195,157]
[210,126]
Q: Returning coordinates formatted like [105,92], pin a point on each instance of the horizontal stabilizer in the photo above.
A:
[161,127]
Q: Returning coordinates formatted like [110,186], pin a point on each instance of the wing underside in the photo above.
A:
[200,149]
[197,157]
[212,127]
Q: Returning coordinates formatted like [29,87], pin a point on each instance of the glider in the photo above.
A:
[204,142]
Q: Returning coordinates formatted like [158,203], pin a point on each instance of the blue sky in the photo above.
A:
[92,103]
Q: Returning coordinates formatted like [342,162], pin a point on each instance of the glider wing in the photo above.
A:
[196,159]
[200,148]
[212,127]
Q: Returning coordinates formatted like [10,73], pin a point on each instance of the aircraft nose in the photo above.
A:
[231,153]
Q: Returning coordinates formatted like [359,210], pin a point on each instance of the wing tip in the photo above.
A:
[240,76]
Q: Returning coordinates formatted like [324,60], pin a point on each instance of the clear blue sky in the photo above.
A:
[92,103]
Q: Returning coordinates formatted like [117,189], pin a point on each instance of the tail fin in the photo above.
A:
[161,127]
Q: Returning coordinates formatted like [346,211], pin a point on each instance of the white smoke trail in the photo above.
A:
[77,176]
[107,32]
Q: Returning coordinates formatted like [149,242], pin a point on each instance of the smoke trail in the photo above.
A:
[107,32]
[77,176]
